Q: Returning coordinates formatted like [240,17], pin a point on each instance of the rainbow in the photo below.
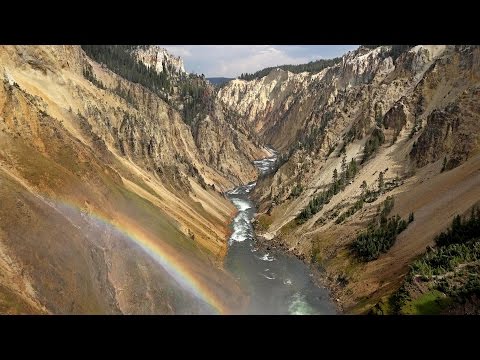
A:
[163,254]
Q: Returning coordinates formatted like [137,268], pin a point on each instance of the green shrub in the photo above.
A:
[378,238]
[411,217]
[296,191]
[461,231]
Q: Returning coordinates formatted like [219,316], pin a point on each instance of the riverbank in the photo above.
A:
[276,282]
[319,276]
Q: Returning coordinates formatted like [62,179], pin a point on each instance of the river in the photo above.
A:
[277,283]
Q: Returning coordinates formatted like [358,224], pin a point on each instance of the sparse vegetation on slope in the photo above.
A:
[447,276]
[338,184]
[352,210]
[196,98]
[373,143]
[192,98]
[296,191]
[88,73]
[118,58]
[461,231]
[395,50]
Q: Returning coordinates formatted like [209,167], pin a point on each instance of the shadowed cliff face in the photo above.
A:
[108,206]
[401,113]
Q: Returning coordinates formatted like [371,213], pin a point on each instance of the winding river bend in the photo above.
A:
[276,283]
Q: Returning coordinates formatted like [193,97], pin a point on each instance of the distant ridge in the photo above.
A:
[217,81]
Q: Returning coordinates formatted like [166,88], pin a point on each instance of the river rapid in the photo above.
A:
[276,283]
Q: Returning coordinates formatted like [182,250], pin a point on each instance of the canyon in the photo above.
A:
[418,107]
[114,180]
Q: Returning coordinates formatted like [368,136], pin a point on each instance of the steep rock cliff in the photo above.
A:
[158,58]
[108,205]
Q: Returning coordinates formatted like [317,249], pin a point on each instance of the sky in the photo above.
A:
[232,60]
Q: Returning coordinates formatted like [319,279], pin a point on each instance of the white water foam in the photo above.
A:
[235,191]
[241,228]
[249,188]
[241,204]
[241,224]
[268,277]
[266,257]
[298,306]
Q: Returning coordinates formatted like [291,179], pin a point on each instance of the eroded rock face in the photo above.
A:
[336,106]
[284,107]
[97,175]
[451,129]
[158,58]
[450,133]
[342,104]
[226,149]
[261,102]
[423,102]
[396,118]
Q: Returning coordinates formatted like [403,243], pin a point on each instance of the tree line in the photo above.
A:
[312,66]
[118,58]
[88,74]
[316,66]
[192,88]
[395,50]
[381,233]
[461,231]
[195,97]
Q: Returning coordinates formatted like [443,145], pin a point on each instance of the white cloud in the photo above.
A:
[232,60]
[259,60]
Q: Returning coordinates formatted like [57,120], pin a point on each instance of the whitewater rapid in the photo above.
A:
[277,283]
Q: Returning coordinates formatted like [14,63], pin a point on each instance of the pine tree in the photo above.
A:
[380,182]
[411,217]
[352,167]
[364,188]
[344,169]
[456,223]
[335,185]
[444,166]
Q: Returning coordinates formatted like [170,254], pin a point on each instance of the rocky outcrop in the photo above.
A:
[450,133]
[156,57]
[395,118]
[447,95]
